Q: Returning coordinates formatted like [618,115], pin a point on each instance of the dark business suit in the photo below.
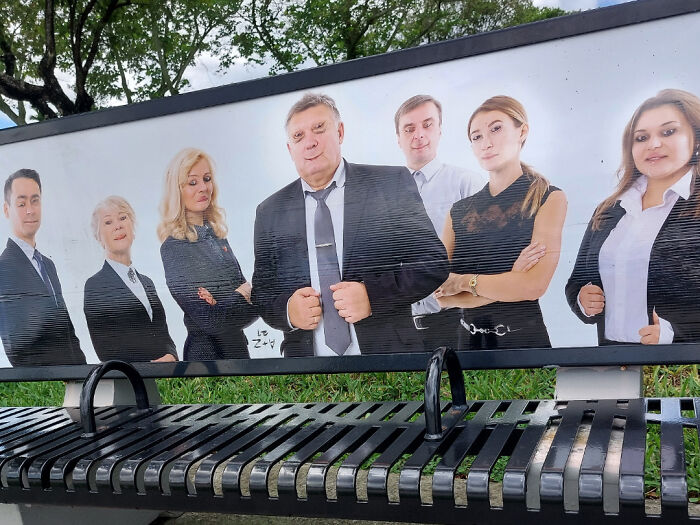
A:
[119,325]
[213,332]
[673,284]
[35,329]
[389,244]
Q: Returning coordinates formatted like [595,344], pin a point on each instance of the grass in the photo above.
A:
[659,381]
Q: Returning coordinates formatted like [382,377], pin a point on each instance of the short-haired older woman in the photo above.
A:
[202,273]
[124,314]
[637,274]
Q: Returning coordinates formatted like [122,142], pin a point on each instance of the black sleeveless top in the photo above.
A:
[490,232]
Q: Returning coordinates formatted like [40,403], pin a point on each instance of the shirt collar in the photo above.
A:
[121,269]
[631,199]
[27,248]
[338,177]
[429,170]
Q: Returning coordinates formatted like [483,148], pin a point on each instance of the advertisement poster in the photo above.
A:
[472,225]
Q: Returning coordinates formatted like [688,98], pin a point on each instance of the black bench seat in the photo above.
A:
[309,457]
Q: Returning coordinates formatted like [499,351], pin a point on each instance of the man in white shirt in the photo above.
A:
[342,252]
[418,123]
[34,323]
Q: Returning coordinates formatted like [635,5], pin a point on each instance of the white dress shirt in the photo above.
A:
[28,250]
[440,186]
[624,261]
[335,203]
[136,287]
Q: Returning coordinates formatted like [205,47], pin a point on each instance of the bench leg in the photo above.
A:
[599,382]
[110,392]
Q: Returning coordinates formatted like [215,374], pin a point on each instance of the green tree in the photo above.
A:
[60,57]
[291,33]
[110,49]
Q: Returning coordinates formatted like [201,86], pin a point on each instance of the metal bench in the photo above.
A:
[412,461]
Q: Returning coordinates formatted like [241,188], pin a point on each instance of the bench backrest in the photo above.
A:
[580,77]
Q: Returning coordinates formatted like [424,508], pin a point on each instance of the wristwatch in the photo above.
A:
[472,285]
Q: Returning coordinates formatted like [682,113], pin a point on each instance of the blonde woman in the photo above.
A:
[504,241]
[123,312]
[637,274]
[201,270]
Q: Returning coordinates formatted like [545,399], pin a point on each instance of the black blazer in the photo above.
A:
[213,332]
[389,244]
[118,322]
[673,285]
[35,329]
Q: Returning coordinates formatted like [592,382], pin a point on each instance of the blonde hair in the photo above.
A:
[627,173]
[515,110]
[173,220]
[113,201]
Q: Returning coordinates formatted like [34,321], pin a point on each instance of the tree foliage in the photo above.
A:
[60,57]
[292,33]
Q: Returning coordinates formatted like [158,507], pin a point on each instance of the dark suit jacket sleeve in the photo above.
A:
[270,294]
[419,263]
[581,275]
[231,309]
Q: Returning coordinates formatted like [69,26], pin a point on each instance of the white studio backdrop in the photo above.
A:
[579,93]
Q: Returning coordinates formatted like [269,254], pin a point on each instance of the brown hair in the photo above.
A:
[24,173]
[411,104]
[173,220]
[515,110]
[689,105]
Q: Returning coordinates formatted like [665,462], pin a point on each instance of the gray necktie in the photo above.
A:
[335,328]
[420,179]
[44,274]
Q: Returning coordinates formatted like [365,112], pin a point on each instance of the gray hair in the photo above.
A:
[310,100]
[113,201]
[411,104]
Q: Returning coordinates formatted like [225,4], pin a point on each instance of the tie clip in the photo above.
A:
[324,245]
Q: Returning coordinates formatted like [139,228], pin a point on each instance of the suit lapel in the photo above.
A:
[292,226]
[114,282]
[150,294]
[355,202]
[23,266]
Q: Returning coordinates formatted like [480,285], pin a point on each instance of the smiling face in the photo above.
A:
[663,143]
[197,190]
[116,232]
[313,140]
[24,209]
[496,140]
[419,135]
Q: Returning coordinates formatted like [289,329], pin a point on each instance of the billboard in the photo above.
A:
[463,179]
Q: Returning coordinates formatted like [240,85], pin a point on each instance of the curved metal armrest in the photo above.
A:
[87,395]
[433,419]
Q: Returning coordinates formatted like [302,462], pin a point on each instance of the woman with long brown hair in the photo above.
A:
[517,215]
[637,274]
[201,271]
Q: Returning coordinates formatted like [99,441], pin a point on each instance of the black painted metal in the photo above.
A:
[311,460]
[434,429]
[676,354]
[87,395]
